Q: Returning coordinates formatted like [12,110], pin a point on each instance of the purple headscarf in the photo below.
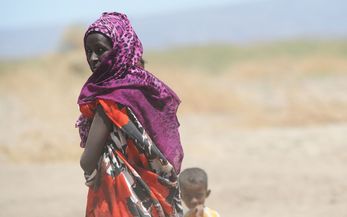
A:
[121,80]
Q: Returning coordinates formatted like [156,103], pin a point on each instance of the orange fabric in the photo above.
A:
[152,179]
[136,158]
[165,205]
[133,154]
[118,116]
[111,192]
[157,190]
[88,109]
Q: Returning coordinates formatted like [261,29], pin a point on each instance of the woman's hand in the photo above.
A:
[94,179]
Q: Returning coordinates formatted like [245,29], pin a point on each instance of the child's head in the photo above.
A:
[194,187]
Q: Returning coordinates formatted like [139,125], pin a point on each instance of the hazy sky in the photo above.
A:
[18,14]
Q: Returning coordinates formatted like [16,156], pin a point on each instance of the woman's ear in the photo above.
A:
[208,192]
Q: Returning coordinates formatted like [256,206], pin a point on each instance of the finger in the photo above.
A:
[200,212]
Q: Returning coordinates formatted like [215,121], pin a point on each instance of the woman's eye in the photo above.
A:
[101,51]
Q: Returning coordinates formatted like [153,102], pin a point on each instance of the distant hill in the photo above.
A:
[241,23]
[29,42]
[247,22]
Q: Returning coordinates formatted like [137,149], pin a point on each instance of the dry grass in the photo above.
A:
[266,122]
[284,84]
[276,88]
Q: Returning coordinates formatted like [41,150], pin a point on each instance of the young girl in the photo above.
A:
[128,128]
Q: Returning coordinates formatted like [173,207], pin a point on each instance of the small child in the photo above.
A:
[194,191]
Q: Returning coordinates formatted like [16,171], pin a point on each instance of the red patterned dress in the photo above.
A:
[135,177]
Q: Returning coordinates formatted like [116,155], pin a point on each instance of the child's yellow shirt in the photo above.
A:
[210,212]
[207,213]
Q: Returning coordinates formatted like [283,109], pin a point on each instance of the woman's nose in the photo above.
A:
[94,57]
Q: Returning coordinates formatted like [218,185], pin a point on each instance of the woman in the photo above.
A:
[128,127]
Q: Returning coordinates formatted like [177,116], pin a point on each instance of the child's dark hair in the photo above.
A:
[193,176]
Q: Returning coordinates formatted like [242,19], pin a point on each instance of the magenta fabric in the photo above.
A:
[120,79]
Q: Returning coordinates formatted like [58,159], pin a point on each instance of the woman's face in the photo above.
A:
[96,45]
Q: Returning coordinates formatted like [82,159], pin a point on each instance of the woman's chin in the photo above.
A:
[94,69]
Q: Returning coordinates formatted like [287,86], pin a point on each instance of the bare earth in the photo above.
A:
[269,172]
[270,130]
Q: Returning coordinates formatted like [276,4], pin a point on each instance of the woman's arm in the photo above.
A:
[98,134]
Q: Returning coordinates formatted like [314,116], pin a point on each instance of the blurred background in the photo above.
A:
[263,86]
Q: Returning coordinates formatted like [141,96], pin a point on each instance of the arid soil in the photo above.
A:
[270,131]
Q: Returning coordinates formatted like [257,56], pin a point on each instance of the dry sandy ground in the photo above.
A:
[270,131]
[272,172]
[294,172]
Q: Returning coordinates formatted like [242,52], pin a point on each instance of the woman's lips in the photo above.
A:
[95,67]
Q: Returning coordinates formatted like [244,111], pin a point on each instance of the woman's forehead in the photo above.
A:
[112,25]
[97,37]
